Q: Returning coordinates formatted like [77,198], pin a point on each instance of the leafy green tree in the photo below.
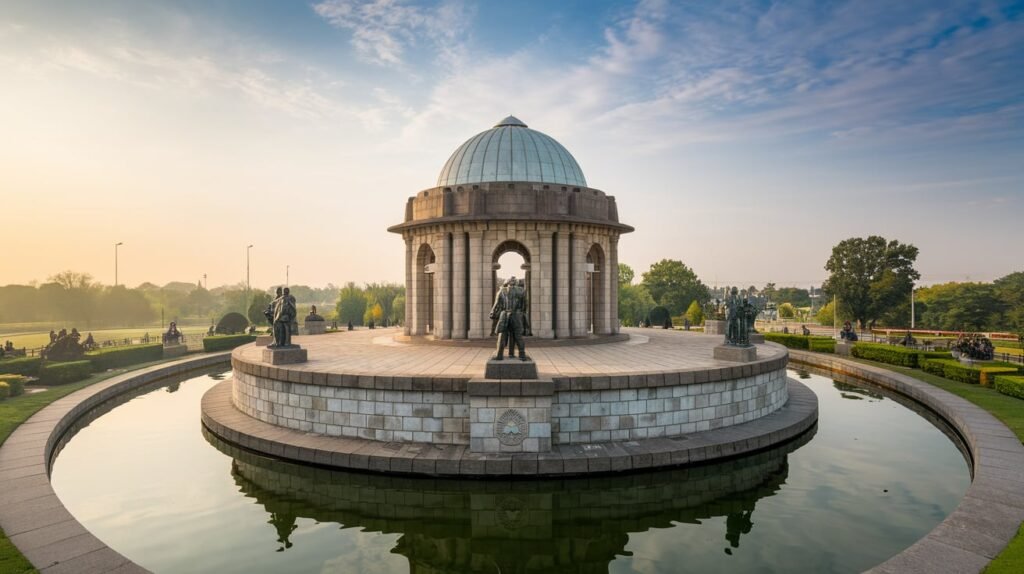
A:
[795,295]
[673,285]
[787,311]
[870,276]
[1010,290]
[626,274]
[398,310]
[634,304]
[257,306]
[351,304]
[383,294]
[769,292]
[961,306]
[695,313]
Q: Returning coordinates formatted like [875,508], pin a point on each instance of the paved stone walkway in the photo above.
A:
[222,418]
[377,353]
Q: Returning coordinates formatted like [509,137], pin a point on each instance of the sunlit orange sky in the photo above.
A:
[743,139]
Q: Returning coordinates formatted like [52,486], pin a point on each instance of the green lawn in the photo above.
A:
[34,340]
[1008,409]
[17,410]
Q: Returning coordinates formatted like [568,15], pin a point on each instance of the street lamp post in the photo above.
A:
[287,270]
[116,245]
[911,307]
[245,306]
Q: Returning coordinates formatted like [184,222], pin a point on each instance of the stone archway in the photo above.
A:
[511,246]
[423,319]
[598,320]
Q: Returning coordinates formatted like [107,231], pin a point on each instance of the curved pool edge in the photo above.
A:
[31,514]
[991,510]
[223,419]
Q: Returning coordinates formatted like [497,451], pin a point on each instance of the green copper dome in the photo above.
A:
[510,151]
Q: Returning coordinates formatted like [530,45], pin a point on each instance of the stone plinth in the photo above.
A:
[756,338]
[284,355]
[315,327]
[510,368]
[712,327]
[736,354]
[510,416]
[177,350]
[264,340]
[843,348]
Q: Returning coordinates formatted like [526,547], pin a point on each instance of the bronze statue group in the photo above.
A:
[281,313]
[511,321]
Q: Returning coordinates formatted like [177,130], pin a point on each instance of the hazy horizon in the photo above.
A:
[744,139]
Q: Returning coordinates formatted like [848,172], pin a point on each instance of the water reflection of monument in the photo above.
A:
[577,525]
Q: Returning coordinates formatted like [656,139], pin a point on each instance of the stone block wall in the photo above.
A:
[528,418]
[384,415]
[638,413]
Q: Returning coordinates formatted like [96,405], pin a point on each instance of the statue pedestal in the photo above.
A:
[509,368]
[315,327]
[736,354]
[174,350]
[510,416]
[284,355]
[264,340]
[713,327]
[843,348]
[756,338]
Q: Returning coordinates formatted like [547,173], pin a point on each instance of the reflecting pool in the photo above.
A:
[871,479]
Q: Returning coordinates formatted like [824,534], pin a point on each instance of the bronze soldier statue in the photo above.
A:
[284,315]
[509,304]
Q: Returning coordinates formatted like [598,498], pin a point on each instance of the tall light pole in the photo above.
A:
[116,245]
[287,270]
[245,306]
[206,285]
[911,306]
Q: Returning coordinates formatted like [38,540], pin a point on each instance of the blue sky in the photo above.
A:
[744,138]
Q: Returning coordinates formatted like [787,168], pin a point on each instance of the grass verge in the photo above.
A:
[1010,411]
[17,410]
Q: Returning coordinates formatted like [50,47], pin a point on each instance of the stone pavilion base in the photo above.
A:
[510,368]
[172,351]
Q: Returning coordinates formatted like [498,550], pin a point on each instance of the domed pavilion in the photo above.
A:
[511,189]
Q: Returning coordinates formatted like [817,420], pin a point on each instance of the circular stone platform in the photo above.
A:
[377,391]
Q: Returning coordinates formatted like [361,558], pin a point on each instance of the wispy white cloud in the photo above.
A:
[383,30]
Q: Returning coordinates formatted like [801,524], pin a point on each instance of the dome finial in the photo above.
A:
[511,121]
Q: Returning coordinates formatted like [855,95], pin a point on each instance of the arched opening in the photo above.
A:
[510,259]
[597,291]
[424,319]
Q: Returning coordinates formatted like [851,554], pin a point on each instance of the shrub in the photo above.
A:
[806,342]
[821,345]
[694,313]
[225,342]
[658,316]
[28,366]
[16,383]
[232,323]
[5,390]
[889,354]
[787,311]
[1012,386]
[979,374]
[104,359]
[60,373]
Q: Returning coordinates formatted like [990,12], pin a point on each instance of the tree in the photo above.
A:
[1010,290]
[398,310]
[634,304]
[787,311]
[961,307]
[351,304]
[373,313]
[769,292]
[626,274]
[695,313]
[870,276]
[383,294]
[795,295]
[259,303]
[673,285]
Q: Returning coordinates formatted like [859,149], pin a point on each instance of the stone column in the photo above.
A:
[443,288]
[562,271]
[540,285]
[477,310]
[613,274]
[459,286]
[410,278]
[580,300]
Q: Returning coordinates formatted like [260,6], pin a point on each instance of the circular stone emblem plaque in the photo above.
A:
[511,428]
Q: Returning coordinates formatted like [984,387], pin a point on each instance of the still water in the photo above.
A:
[870,480]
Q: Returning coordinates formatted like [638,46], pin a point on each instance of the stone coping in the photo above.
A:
[31,514]
[992,508]
[224,420]
[658,359]
[531,342]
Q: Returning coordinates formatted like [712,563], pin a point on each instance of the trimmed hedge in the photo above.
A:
[104,359]
[894,355]
[225,342]
[1012,386]
[28,366]
[979,374]
[805,342]
[15,384]
[61,373]
[5,390]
